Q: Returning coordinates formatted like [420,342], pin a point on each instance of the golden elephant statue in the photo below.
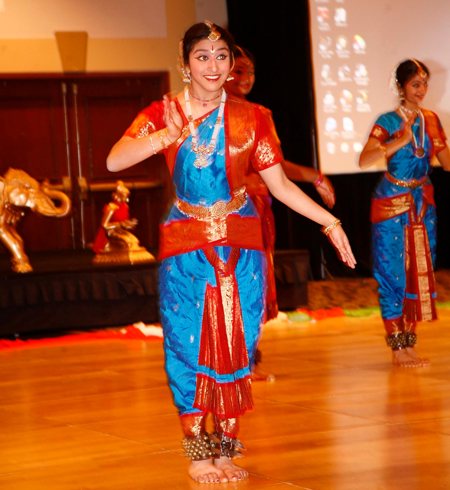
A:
[18,190]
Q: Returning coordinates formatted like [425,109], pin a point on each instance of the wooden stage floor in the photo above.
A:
[99,415]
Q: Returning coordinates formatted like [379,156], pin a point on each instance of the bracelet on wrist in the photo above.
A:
[319,180]
[167,136]
[327,229]
[153,146]
[161,140]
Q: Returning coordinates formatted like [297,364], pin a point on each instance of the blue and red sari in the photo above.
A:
[213,270]
[404,225]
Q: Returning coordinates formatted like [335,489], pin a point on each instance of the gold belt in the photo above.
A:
[218,210]
[412,184]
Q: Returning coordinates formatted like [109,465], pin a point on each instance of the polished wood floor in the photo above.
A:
[339,416]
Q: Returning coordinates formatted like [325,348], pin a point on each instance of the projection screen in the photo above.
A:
[355,44]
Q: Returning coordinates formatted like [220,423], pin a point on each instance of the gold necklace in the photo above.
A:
[203,152]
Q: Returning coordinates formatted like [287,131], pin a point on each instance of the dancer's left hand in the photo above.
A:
[326,192]
[340,242]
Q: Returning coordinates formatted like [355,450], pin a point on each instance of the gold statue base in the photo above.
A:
[123,257]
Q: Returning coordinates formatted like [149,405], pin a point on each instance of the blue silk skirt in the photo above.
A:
[388,252]
[184,283]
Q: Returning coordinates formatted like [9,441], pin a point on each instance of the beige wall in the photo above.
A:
[151,54]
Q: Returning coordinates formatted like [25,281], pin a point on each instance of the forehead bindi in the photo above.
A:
[418,79]
[210,47]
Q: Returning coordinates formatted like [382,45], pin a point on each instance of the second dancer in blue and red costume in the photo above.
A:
[404,212]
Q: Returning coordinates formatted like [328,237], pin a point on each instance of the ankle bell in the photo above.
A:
[396,341]
[197,448]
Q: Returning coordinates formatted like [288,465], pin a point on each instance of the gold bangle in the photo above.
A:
[382,147]
[153,146]
[162,142]
[327,229]
[167,136]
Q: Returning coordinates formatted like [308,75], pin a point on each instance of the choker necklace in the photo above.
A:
[409,111]
[418,149]
[203,151]
[205,101]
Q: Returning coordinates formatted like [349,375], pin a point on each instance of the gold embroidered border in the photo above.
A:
[412,184]
[219,210]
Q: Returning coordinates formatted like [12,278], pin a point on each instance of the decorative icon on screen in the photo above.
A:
[340,17]
[324,47]
[347,124]
[362,101]
[330,124]
[344,73]
[323,14]
[324,43]
[360,71]
[323,17]
[359,45]
[341,43]
[329,103]
[346,99]
[345,147]
[331,148]
[325,72]
[342,47]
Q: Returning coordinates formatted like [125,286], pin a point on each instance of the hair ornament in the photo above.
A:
[393,82]
[420,70]
[214,35]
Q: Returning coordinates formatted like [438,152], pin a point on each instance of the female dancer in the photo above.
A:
[212,275]
[240,86]
[403,210]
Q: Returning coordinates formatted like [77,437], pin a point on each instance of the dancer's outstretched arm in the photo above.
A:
[288,193]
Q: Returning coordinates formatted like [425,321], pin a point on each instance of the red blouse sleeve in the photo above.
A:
[379,133]
[147,121]
[268,152]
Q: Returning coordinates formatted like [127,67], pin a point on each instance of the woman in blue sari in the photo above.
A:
[403,210]
[213,269]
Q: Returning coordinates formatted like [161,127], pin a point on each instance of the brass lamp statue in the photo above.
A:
[114,243]
[19,190]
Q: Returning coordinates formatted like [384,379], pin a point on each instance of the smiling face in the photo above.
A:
[209,66]
[244,78]
[415,89]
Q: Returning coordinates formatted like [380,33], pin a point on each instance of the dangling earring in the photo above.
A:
[186,77]
[401,94]
[230,76]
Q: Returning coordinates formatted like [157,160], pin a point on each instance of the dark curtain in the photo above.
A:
[277,33]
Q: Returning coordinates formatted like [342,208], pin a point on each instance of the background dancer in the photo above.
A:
[403,210]
[241,85]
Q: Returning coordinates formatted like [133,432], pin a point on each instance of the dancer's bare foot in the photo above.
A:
[402,358]
[417,358]
[232,471]
[204,471]
[259,375]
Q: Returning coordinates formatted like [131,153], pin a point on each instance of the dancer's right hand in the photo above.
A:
[407,132]
[172,119]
